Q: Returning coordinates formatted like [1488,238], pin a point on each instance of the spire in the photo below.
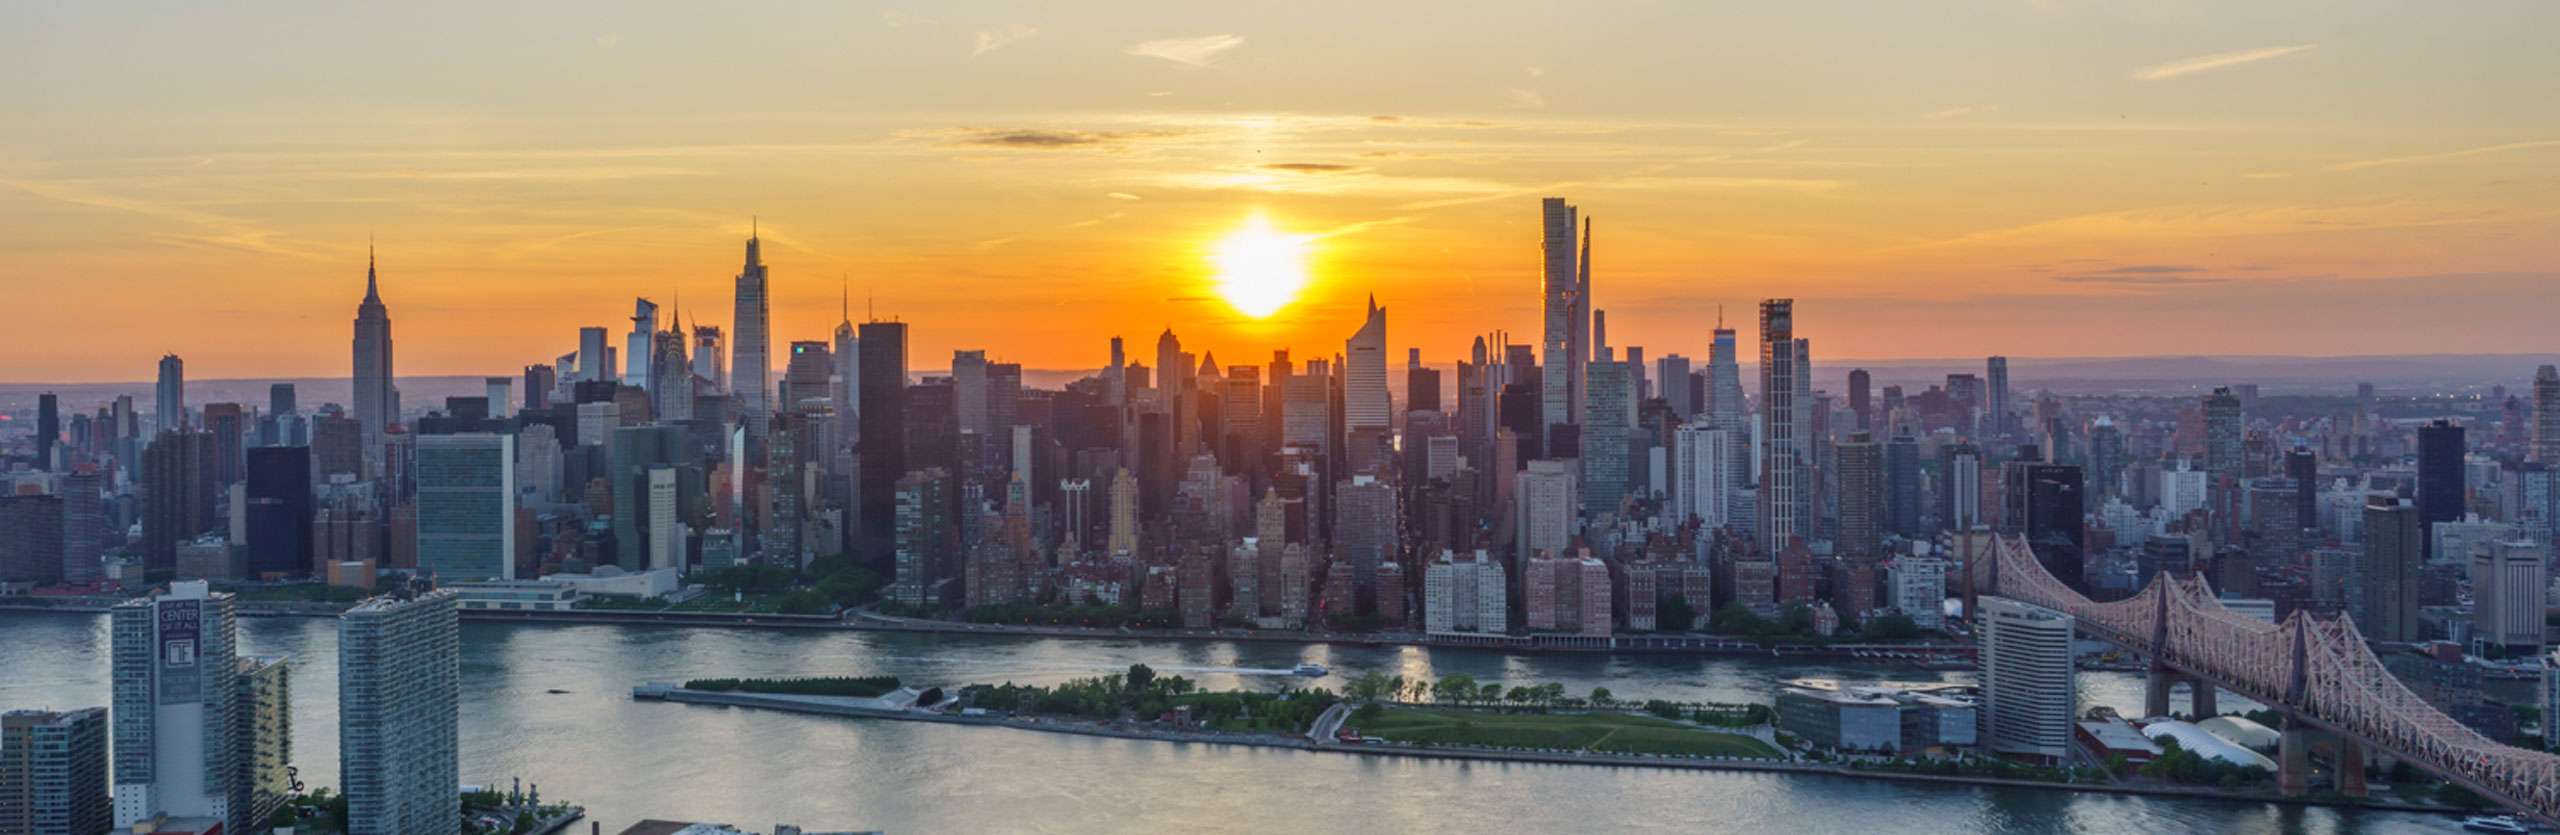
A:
[372,291]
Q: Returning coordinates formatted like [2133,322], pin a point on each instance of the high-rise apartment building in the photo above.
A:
[1461,594]
[1786,459]
[1862,496]
[1565,311]
[200,734]
[1604,437]
[177,494]
[1960,487]
[2029,692]
[1546,504]
[53,772]
[399,713]
[1997,421]
[376,396]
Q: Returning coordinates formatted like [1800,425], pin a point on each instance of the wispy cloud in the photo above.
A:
[2138,280]
[2174,69]
[1121,195]
[1045,139]
[1523,99]
[1197,52]
[2511,146]
[2151,269]
[990,40]
[1310,168]
[1966,110]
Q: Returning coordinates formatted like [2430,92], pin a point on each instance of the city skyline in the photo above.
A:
[2277,186]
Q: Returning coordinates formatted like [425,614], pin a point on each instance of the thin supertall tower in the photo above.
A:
[1784,478]
[751,366]
[1561,348]
[374,409]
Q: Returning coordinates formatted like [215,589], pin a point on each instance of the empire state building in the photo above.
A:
[377,403]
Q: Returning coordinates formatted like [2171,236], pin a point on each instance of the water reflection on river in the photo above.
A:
[627,760]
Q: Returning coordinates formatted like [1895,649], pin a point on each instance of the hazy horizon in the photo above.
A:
[2019,177]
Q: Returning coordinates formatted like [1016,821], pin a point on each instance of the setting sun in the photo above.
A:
[1260,269]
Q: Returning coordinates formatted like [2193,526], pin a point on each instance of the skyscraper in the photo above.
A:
[1364,373]
[399,712]
[1858,401]
[169,407]
[1785,463]
[1703,473]
[1862,496]
[1960,487]
[640,346]
[1546,502]
[2441,484]
[279,511]
[177,494]
[2394,551]
[48,429]
[467,506]
[882,441]
[373,370]
[53,772]
[751,370]
[2029,692]
[1672,373]
[1604,438]
[1995,398]
[198,730]
[595,359]
[1902,484]
[2507,587]
[1561,353]
[2222,428]
[845,385]
[2546,415]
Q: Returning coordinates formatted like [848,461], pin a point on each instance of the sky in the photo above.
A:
[1944,179]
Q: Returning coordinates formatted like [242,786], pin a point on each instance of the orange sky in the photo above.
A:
[2046,178]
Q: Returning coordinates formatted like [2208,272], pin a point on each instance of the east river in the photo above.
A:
[552,705]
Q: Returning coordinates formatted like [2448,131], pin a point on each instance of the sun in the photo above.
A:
[1260,269]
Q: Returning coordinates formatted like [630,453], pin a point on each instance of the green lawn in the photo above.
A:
[1617,733]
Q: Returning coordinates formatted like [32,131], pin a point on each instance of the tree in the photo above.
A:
[1141,677]
[1367,715]
[1395,685]
[1736,619]
[1520,696]
[1890,627]
[1454,689]
[1489,693]
[1600,697]
[1672,613]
